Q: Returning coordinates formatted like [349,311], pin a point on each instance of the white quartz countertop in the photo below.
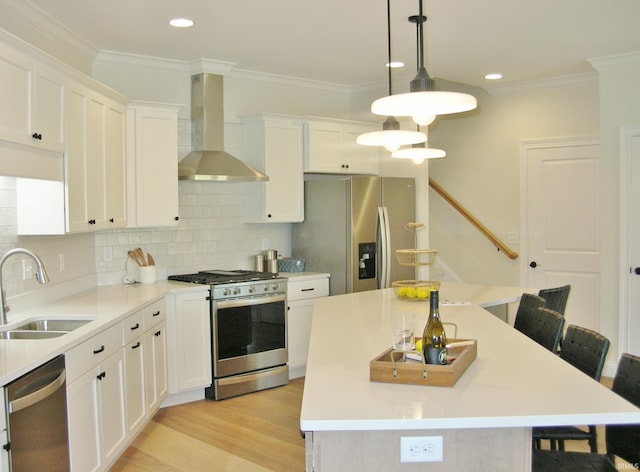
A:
[105,305]
[513,382]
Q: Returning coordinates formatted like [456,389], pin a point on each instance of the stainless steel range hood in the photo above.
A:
[210,162]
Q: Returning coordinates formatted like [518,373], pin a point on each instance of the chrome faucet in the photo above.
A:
[41,277]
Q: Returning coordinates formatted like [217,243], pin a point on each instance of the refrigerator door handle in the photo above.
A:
[380,252]
[384,249]
[387,249]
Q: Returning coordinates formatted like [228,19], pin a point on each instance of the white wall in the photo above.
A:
[482,171]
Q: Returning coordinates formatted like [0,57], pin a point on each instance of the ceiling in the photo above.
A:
[345,41]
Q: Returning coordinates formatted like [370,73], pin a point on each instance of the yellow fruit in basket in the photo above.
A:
[419,345]
[422,292]
[411,292]
[402,291]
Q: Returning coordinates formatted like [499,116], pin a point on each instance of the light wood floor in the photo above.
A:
[251,433]
[259,432]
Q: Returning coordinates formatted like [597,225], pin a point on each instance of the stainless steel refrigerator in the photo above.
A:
[352,227]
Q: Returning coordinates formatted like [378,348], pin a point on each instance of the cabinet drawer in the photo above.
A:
[93,351]
[132,327]
[154,314]
[303,289]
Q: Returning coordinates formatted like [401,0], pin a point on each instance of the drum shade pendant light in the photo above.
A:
[423,99]
[391,136]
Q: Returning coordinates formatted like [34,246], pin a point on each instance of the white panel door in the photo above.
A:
[630,240]
[561,234]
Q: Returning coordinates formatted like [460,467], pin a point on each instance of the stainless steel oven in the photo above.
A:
[248,330]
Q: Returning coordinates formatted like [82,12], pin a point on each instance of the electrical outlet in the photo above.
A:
[421,449]
[27,269]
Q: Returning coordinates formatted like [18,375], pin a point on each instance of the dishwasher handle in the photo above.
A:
[32,398]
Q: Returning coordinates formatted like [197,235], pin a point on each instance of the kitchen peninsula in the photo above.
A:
[485,419]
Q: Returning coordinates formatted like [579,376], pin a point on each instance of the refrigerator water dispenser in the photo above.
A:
[367,261]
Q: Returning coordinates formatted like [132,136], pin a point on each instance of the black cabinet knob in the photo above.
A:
[176,218]
[636,271]
[533,264]
[37,136]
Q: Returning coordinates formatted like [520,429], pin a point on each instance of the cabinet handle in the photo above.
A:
[308,289]
[269,215]
[136,345]
[98,351]
[156,313]
[92,222]
[37,136]
[110,220]
[101,375]
[176,218]
[137,325]
[7,447]
[157,333]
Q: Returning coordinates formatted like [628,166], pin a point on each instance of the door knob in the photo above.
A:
[533,264]
[636,271]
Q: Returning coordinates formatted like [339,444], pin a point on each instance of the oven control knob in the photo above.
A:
[274,287]
[226,292]
[266,287]
[252,289]
[236,291]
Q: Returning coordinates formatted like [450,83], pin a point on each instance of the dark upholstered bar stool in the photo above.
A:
[622,441]
[529,304]
[544,326]
[556,298]
[586,350]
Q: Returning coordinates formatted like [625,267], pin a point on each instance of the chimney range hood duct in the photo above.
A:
[210,161]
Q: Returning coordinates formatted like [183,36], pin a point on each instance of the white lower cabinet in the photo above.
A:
[116,381]
[96,401]
[134,350]
[155,366]
[301,294]
[189,323]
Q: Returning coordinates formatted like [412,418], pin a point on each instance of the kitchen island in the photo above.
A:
[484,420]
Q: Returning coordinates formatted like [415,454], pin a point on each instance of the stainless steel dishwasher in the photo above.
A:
[37,419]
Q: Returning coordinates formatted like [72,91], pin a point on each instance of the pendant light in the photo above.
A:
[418,153]
[423,99]
[391,136]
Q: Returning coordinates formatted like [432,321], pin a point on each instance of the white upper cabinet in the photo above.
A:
[95,164]
[152,156]
[86,122]
[32,96]
[273,145]
[330,147]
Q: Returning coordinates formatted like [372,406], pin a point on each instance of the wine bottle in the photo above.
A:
[434,339]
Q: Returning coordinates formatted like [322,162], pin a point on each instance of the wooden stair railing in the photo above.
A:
[482,228]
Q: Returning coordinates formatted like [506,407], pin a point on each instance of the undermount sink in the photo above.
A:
[16,334]
[43,328]
[52,325]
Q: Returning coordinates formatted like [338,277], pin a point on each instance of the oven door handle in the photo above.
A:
[250,301]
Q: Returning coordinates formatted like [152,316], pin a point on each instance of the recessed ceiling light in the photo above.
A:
[181,22]
[494,76]
[395,64]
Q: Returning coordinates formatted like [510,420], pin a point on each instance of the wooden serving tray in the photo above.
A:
[392,367]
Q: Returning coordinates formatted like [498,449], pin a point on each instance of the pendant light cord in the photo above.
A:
[389,42]
[420,43]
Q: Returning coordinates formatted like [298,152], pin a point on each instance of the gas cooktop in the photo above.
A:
[216,277]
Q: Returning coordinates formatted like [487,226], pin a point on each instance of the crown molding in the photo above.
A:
[31,24]
[614,62]
[553,82]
